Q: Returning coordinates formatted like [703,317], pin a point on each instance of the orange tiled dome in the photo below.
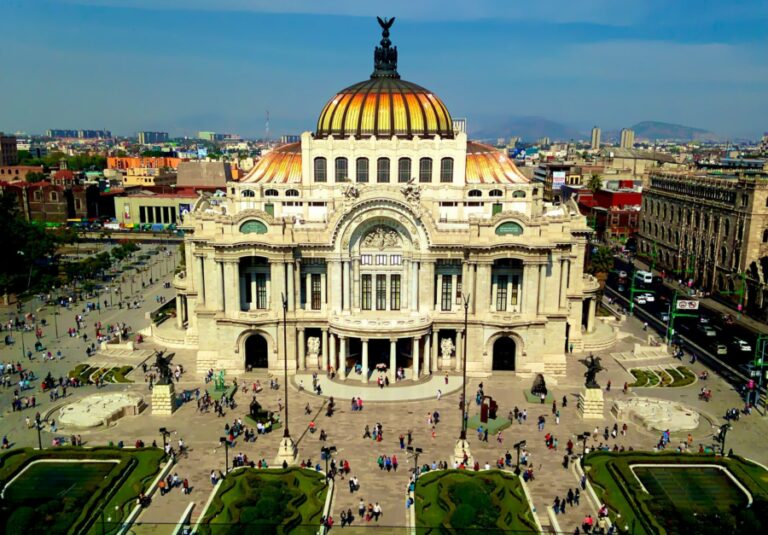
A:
[385,107]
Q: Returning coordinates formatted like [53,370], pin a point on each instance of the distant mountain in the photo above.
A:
[653,130]
[529,128]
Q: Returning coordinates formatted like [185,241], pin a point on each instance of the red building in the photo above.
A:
[48,203]
[614,214]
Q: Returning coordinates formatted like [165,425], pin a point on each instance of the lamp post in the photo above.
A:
[55,314]
[326,452]
[286,433]
[225,440]
[164,431]
[462,445]
[39,436]
[721,437]
[518,447]
[415,452]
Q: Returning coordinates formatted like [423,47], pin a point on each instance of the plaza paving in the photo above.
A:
[345,429]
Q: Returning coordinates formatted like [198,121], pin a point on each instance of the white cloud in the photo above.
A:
[610,12]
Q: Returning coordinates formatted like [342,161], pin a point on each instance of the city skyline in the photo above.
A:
[182,67]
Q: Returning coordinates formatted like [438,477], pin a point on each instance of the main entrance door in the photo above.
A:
[255,352]
[504,354]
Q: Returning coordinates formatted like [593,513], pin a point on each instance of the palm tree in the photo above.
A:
[595,183]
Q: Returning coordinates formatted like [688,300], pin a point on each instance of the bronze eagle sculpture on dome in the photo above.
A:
[385,56]
[386,24]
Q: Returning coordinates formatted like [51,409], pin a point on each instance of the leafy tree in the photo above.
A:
[595,183]
[601,261]
[34,176]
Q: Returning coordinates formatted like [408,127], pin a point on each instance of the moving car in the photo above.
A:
[706,330]
[622,274]
[664,316]
[649,298]
[720,349]
[641,300]
[742,345]
[646,277]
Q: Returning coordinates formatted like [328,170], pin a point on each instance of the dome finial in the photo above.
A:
[385,56]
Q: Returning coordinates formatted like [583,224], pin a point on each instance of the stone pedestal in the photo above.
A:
[462,447]
[287,452]
[163,399]
[591,403]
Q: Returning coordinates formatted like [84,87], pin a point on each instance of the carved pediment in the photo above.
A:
[381,238]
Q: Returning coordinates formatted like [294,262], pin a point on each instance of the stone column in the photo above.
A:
[342,364]
[415,358]
[438,299]
[404,288]
[308,291]
[542,288]
[277,286]
[252,282]
[289,266]
[347,293]
[392,359]
[563,284]
[591,317]
[483,288]
[179,312]
[434,347]
[365,359]
[427,286]
[555,297]
[302,348]
[241,292]
[494,292]
[324,349]
[200,281]
[215,295]
[454,285]
[231,287]
[323,292]
[355,300]
[414,284]
[332,353]
[334,296]
[459,348]
[427,368]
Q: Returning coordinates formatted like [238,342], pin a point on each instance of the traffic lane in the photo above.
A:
[732,371]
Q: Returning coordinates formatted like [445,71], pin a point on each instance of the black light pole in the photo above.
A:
[327,451]
[226,454]
[415,452]
[286,433]
[584,436]
[55,316]
[39,436]
[518,446]
[463,435]
[164,431]
[723,432]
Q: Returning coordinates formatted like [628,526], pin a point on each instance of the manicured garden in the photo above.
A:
[59,496]
[679,499]
[86,373]
[666,377]
[267,502]
[454,500]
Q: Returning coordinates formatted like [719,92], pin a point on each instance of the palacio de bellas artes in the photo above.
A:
[377,232]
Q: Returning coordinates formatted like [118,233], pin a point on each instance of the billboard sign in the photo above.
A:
[558,179]
[687,305]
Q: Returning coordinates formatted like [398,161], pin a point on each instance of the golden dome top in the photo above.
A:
[385,107]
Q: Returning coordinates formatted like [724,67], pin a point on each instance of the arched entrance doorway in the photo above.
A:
[256,352]
[504,354]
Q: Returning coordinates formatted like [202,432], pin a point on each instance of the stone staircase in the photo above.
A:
[603,337]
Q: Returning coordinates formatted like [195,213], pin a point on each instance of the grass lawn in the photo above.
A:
[61,497]
[670,377]
[450,501]
[107,375]
[680,499]
[273,501]
[493,426]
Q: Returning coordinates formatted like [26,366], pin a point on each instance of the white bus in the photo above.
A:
[646,277]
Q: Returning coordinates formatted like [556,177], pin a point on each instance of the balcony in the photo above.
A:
[380,324]
[180,280]
[590,283]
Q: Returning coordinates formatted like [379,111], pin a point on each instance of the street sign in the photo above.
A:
[687,305]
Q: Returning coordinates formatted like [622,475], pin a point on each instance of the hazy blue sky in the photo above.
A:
[188,65]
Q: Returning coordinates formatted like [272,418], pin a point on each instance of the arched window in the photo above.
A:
[253,227]
[446,170]
[271,193]
[403,169]
[292,193]
[475,193]
[248,193]
[519,194]
[342,169]
[382,170]
[54,196]
[425,170]
[726,227]
[321,169]
[765,236]
[362,169]
[496,193]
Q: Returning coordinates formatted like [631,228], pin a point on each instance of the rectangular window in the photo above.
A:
[381,292]
[404,170]
[362,169]
[150,215]
[173,214]
[315,291]
[458,291]
[381,260]
[166,215]
[261,290]
[425,170]
[342,171]
[247,284]
[142,214]
[394,292]
[515,290]
[395,260]
[501,293]
[382,170]
[365,292]
[446,170]
[497,207]
[321,170]
[445,296]
[366,259]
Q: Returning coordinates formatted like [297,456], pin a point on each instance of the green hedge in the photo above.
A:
[616,485]
[133,474]
[448,500]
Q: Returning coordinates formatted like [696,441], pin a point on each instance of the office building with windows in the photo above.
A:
[369,240]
